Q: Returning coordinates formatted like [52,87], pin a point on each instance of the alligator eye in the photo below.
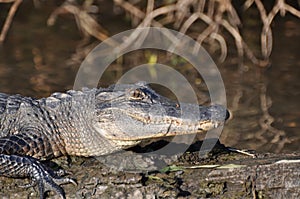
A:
[137,94]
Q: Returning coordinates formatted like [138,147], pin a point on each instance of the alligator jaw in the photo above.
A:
[147,115]
[139,128]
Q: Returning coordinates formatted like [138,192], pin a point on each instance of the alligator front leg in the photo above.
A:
[16,160]
[46,180]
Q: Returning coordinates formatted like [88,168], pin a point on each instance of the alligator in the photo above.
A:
[91,122]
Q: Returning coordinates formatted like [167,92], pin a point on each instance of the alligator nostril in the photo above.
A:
[227,116]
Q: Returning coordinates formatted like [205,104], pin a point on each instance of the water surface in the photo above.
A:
[35,60]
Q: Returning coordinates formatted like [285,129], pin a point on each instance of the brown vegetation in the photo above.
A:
[218,16]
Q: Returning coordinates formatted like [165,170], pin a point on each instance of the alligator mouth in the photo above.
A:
[200,126]
[123,124]
[166,133]
[169,126]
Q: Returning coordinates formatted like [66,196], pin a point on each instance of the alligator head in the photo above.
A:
[130,113]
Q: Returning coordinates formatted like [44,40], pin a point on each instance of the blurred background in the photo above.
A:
[255,45]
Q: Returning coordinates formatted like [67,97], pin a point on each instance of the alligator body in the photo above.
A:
[91,122]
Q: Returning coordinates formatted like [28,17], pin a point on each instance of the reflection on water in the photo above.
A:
[264,101]
[33,57]
[267,115]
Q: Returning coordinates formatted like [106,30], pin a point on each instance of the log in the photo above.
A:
[219,173]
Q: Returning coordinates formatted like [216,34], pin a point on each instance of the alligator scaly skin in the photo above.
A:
[32,130]
[81,123]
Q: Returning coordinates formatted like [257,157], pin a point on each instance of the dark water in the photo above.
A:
[35,61]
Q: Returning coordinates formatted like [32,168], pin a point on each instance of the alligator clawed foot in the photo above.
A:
[48,181]
[40,175]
